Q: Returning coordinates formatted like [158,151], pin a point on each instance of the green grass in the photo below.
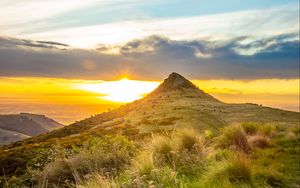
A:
[107,156]
[180,158]
[234,136]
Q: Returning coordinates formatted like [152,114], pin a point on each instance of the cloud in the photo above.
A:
[154,57]
[13,43]
[257,23]
[18,15]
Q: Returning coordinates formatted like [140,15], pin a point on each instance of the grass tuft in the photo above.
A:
[235,136]
[97,181]
[239,169]
[144,164]
[163,150]
[250,127]
[190,140]
[259,141]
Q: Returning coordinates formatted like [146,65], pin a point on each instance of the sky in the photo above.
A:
[239,51]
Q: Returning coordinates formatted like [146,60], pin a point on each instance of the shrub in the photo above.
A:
[233,135]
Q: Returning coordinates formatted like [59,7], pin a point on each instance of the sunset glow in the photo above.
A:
[68,100]
[123,90]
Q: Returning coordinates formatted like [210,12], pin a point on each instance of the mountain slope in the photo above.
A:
[176,103]
[7,137]
[18,126]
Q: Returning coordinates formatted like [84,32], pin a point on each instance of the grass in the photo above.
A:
[190,140]
[234,136]
[143,164]
[237,157]
[107,156]
[266,129]
[163,150]
[97,181]
[259,141]
[239,169]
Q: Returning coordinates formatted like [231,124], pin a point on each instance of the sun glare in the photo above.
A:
[123,90]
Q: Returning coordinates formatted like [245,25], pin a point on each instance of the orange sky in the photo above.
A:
[67,100]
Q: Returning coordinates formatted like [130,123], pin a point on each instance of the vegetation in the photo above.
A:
[240,155]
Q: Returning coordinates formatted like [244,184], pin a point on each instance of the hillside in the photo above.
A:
[7,137]
[175,105]
[18,126]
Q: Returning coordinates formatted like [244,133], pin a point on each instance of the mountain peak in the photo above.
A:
[173,82]
[182,86]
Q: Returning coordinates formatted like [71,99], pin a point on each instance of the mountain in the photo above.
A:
[176,103]
[15,127]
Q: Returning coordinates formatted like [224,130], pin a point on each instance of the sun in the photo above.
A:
[123,90]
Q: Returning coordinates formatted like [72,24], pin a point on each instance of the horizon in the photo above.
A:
[94,97]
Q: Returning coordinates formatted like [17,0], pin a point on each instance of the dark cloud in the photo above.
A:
[12,42]
[53,43]
[155,57]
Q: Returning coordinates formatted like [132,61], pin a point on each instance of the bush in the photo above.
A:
[233,135]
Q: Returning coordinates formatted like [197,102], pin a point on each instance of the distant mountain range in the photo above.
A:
[14,127]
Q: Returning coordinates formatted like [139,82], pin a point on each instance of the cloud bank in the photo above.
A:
[62,22]
[154,57]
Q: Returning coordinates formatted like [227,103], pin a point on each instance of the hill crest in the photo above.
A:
[179,87]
